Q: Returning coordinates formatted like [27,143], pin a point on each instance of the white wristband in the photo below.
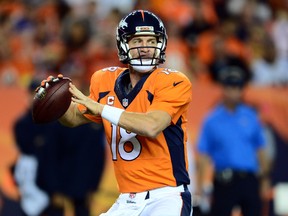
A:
[112,114]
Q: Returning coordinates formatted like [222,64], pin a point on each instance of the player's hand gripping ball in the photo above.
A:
[52,99]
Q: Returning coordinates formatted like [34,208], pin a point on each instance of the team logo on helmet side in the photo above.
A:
[123,24]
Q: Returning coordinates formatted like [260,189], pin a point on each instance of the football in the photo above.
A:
[52,101]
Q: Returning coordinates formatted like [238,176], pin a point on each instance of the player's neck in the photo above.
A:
[135,76]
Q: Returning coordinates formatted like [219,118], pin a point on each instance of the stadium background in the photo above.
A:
[23,21]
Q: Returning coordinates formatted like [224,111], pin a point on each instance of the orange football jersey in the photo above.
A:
[142,163]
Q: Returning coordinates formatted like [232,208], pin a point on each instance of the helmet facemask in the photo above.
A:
[144,64]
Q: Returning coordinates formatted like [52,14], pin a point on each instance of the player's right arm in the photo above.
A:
[73,117]
[148,124]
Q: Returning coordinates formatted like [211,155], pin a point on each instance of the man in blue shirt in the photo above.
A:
[232,139]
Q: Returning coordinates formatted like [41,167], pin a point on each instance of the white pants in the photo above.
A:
[165,201]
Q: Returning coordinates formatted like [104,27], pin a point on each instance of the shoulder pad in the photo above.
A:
[113,69]
[167,70]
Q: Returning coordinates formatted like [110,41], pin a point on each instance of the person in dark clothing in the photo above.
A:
[8,206]
[278,174]
[32,141]
[57,162]
[80,160]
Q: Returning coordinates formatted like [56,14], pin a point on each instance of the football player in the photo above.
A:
[144,112]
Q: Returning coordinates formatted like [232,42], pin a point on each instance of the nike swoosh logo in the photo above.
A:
[176,83]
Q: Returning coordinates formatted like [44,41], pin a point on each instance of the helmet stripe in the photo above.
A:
[142,12]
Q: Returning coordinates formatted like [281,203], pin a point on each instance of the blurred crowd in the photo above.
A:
[77,37]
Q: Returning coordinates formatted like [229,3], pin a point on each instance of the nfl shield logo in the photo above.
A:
[125,102]
[132,195]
